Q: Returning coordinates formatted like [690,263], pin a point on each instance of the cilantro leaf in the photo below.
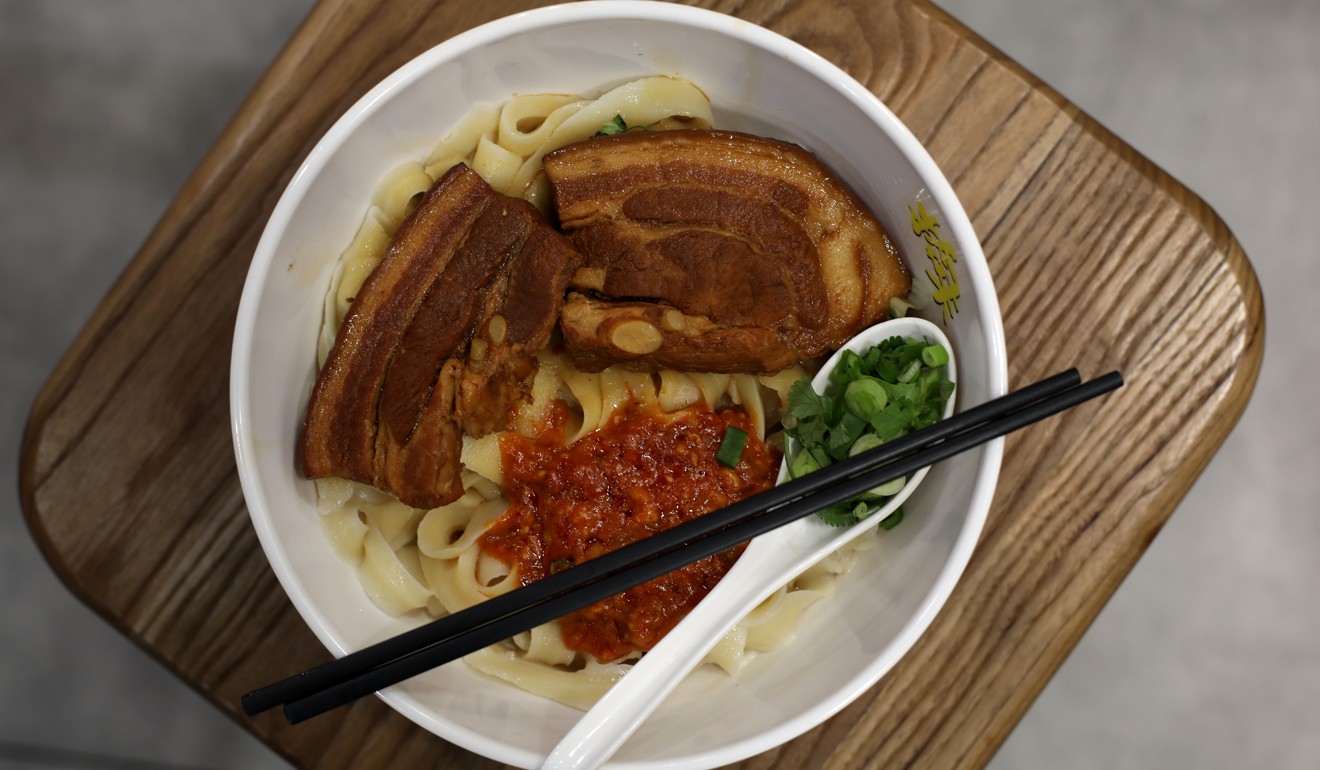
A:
[615,126]
[807,412]
[840,515]
[839,438]
[893,421]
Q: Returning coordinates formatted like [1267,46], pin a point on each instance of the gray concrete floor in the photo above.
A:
[1209,654]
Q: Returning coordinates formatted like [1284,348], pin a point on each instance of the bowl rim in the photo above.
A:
[937,186]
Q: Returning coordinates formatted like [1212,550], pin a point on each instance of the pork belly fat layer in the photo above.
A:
[645,336]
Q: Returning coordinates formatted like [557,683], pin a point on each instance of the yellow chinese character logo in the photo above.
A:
[943,272]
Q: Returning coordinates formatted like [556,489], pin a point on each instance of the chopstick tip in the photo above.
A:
[254,704]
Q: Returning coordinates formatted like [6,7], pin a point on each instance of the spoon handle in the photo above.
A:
[617,715]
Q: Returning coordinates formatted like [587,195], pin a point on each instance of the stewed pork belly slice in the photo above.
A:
[733,231]
[340,432]
[388,408]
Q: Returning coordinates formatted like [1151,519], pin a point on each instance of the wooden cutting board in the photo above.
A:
[1100,259]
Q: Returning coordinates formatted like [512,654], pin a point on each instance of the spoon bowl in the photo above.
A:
[769,562]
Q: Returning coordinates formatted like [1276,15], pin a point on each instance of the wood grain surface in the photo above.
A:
[1100,260]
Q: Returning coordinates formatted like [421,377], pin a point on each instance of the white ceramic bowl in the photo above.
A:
[758,82]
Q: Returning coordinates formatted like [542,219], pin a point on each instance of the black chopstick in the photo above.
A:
[440,641]
[554,586]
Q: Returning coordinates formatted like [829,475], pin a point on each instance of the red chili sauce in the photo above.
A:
[643,472]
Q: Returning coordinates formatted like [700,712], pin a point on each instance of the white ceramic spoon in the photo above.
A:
[769,562]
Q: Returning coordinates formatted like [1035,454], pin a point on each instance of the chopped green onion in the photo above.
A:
[872,397]
[893,519]
[865,396]
[890,488]
[867,442]
[934,355]
[898,307]
[803,464]
[732,446]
